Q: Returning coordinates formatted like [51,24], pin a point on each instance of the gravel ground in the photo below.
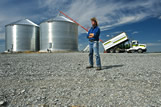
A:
[61,79]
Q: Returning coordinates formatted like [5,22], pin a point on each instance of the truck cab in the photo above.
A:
[136,47]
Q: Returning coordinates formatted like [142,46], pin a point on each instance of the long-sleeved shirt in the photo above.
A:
[96,31]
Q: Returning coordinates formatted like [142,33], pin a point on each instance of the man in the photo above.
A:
[93,36]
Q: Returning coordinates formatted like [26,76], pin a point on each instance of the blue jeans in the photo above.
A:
[94,48]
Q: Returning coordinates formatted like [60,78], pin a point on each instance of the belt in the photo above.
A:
[92,40]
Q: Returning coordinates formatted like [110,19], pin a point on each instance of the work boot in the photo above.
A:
[98,68]
[89,67]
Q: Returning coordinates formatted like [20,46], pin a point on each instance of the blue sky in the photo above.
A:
[140,19]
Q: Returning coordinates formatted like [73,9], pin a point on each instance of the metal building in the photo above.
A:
[58,34]
[22,35]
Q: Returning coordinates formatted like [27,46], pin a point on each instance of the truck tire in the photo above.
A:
[111,51]
[145,50]
[132,51]
[117,51]
[140,51]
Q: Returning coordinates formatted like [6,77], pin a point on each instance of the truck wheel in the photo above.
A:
[132,51]
[145,51]
[128,51]
[140,51]
[111,51]
[117,51]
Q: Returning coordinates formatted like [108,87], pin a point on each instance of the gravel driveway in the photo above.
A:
[61,79]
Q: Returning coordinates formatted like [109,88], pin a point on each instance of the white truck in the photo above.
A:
[120,43]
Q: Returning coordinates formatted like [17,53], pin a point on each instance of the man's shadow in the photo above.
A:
[111,66]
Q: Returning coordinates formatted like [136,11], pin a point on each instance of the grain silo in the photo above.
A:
[58,34]
[22,35]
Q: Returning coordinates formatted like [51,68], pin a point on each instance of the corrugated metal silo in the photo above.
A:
[58,34]
[22,35]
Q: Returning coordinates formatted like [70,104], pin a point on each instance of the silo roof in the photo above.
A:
[60,18]
[23,22]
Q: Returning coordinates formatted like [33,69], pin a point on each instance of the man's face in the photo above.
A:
[93,23]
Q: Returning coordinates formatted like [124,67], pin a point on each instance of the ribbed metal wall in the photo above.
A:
[58,34]
[22,36]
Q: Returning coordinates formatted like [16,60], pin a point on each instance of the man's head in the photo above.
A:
[94,22]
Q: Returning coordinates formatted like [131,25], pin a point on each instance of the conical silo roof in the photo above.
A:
[60,18]
[23,22]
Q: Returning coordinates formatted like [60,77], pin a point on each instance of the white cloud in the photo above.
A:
[107,35]
[124,20]
[135,32]
[117,32]
[160,17]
